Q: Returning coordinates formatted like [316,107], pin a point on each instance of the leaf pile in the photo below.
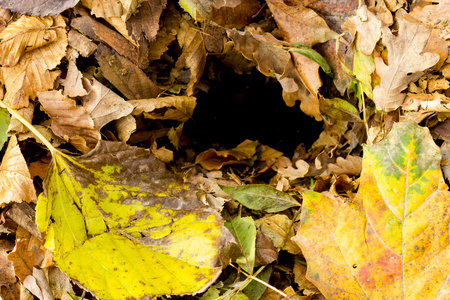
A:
[96,99]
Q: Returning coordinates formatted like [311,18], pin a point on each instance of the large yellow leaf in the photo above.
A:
[33,73]
[392,240]
[122,225]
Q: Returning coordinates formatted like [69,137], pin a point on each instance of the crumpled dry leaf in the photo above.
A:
[238,16]
[38,285]
[7,276]
[178,108]
[201,9]
[27,253]
[212,159]
[39,7]
[125,126]
[190,64]
[102,104]
[81,43]
[406,62]
[69,121]
[16,185]
[146,20]
[300,24]
[73,86]
[32,73]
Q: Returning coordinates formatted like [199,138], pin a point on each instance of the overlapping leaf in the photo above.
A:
[32,73]
[392,240]
[118,215]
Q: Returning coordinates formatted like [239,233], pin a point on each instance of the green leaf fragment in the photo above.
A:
[314,56]
[261,197]
[5,118]
[339,109]
[244,230]
[124,227]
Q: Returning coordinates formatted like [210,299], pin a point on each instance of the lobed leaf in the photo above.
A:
[392,241]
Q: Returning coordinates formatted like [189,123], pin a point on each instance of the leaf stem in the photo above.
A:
[30,127]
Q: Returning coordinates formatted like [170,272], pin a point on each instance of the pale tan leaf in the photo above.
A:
[69,121]
[38,285]
[32,74]
[73,86]
[125,126]
[351,165]
[406,62]
[102,104]
[178,108]
[300,170]
[276,227]
[81,43]
[16,184]
[15,126]
[25,35]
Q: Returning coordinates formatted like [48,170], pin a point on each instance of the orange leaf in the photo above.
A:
[392,240]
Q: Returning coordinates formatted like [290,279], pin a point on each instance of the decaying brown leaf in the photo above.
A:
[7,276]
[300,24]
[190,64]
[69,121]
[237,16]
[146,20]
[406,62]
[39,7]
[15,182]
[27,254]
[73,86]
[125,76]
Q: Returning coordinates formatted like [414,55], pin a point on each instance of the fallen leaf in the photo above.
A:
[394,5]
[363,68]
[15,126]
[7,276]
[38,8]
[125,126]
[261,197]
[244,231]
[5,119]
[33,72]
[406,62]
[73,85]
[351,165]
[339,109]
[178,108]
[279,229]
[25,35]
[201,9]
[38,285]
[102,104]
[212,159]
[146,20]
[265,252]
[70,121]
[125,76]
[300,24]
[27,254]
[291,173]
[102,33]
[238,16]
[347,247]
[60,283]
[15,182]
[119,199]
[81,43]
[190,64]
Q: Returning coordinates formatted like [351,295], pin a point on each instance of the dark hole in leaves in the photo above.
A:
[249,106]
